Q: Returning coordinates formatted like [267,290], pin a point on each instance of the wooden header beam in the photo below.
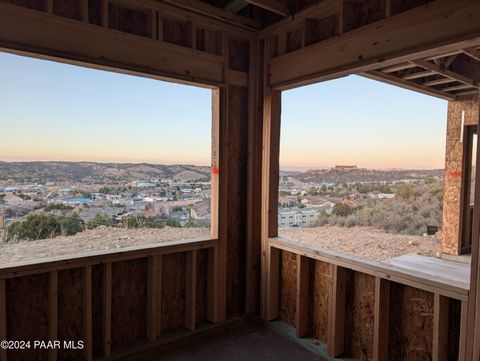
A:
[381,44]
[43,35]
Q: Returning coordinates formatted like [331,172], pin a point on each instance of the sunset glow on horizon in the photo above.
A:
[58,112]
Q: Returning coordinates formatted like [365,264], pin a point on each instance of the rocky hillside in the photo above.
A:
[90,172]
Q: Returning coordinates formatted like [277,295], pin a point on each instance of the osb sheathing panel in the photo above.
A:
[288,287]
[129,298]
[411,324]
[31,4]
[453,169]
[177,32]
[70,311]
[97,299]
[128,20]
[359,316]
[27,314]
[361,13]
[173,293]
[321,283]
[67,8]
[237,134]
[454,316]
[201,297]
[238,55]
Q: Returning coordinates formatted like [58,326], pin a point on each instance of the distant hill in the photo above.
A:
[91,172]
[362,175]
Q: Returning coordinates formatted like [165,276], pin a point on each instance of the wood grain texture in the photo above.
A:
[27,314]
[320,294]
[129,302]
[411,324]
[70,311]
[288,286]
[201,301]
[359,323]
[173,293]
[97,310]
[236,133]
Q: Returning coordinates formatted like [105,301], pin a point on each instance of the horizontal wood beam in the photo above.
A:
[47,36]
[402,83]
[419,74]
[473,53]
[445,72]
[417,34]
[438,82]
[275,6]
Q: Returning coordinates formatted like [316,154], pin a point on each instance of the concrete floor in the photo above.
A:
[240,341]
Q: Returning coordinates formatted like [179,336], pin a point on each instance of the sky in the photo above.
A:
[354,120]
[54,111]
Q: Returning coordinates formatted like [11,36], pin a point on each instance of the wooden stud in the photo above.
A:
[158,327]
[152,280]
[336,338]
[462,343]
[84,10]
[104,13]
[381,319]
[107,309]
[50,6]
[429,66]
[302,318]
[440,328]
[154,24]
[53,312]
[87,313]
[190,290]
[3,318]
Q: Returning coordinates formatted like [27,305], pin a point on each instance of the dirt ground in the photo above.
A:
[99,239]
[365,242]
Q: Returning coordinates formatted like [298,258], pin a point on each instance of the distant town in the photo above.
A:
[150,195]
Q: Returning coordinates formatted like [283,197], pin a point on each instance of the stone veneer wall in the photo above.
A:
[453,170]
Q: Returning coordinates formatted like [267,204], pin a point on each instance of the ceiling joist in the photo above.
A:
[275,6]
[445,72]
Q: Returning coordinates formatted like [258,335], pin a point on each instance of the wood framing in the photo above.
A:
[336,336]
[440,328]
[53,312]
[3,318]
[190,290]
[381,319]
[276,6]
[302,318]
[364,49]
[107,309]
[152,282]
[87,313]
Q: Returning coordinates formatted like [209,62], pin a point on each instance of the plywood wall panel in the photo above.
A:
[453,170]
[201,294]
[27,314]
[288,287]
[237,134]
[70,312]
[411,324]
[359,316]
[321,282]
[173,293]
[129,302]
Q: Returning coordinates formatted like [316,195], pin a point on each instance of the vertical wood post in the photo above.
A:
[53,312]
[381,319]
[107,309]
[440,328]
[336,337]
[159,295]
[190,289]
[152,280]
[302,318]
[87,312]
[3,318]
[463,332]
[104,13]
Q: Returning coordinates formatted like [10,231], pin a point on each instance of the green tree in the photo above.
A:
[342,210]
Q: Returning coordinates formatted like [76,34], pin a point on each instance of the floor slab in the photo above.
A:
[240,341]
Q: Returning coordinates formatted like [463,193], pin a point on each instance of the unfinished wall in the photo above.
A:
[453,170]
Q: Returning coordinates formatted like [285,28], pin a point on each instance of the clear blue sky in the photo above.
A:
[354,120]
[53,111]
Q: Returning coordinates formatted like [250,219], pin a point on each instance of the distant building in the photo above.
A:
[344,168]
[298,217]
[201,210]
